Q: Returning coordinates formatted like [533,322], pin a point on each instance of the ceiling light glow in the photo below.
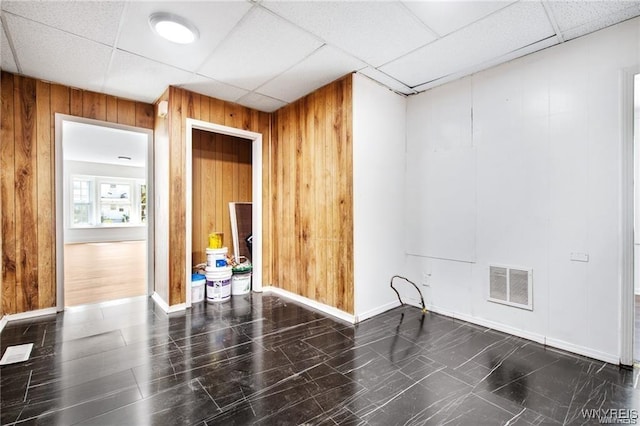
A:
[173,28]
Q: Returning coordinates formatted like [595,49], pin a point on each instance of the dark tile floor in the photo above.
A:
[261,359]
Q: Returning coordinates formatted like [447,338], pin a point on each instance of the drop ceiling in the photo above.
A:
[266,54]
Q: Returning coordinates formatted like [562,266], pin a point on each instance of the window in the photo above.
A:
[104,201]
[82,201]
[115,202]
[143,203]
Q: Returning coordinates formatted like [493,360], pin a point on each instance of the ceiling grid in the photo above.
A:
[266,54]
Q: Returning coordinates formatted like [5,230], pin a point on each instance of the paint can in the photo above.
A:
[240,283]
[197,287]
[218,284]
[217,258]
[215,240]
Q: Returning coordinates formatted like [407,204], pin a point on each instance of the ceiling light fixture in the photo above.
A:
[173,28]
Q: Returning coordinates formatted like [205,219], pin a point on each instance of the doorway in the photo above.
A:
[256,194]
[104,217]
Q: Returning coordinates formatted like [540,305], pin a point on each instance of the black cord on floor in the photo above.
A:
[424,309]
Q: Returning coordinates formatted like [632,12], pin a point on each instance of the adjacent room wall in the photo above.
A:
[312,196]
[221,174]
[521,165]
[27,185]
[379,136]
[107,233]
[182,105]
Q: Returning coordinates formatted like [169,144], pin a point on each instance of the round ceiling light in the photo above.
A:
[173,28]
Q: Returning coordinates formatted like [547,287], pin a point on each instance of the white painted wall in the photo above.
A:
[161,214]
[378,195]
[107,233]
[520,165]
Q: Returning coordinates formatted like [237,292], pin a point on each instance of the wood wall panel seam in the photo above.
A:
[7,195]
[45,199]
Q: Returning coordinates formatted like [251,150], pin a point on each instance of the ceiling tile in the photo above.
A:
[135,77]
[7,61]
[322,67]
[215,89]
[261,102]
[95,20]
[376,32]
[572,14]
[543,44]
[509,29]
[260,48]
[578,19]
[50,54]
[445,17]
[213,19]
[387,81]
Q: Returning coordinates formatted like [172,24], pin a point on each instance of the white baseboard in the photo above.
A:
[329,310]
[3,322]
[160,302]
[581,350]
[539,338]
[165,306]
[377,311]
[26,315]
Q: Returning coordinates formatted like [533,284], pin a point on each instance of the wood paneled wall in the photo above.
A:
[312,196]
[221,171]
[27,181]
[182,105]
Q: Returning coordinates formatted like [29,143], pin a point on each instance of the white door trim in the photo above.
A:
[627,161]
[256,178]
[59,188]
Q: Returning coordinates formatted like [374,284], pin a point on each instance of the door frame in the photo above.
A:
[627,214]
[256,196]
[59,196]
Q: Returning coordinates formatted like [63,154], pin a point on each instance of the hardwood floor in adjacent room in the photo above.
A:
[99,272]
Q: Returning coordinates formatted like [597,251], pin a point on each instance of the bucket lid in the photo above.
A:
[219,271]
[222,250]
[197,277]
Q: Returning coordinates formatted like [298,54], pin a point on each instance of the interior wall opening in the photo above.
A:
[104,211]
[221,173]
[224,152]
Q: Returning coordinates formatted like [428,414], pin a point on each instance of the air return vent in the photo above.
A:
[511,286]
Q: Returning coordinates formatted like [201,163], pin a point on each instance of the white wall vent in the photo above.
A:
[511,286]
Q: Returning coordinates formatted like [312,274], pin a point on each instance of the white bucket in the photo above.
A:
[218,284]
[217,258]
[241,283]
[197,287]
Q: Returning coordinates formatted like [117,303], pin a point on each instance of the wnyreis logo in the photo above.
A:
[618,416]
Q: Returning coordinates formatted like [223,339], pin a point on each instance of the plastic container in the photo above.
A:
[215,240]
[197,287]
[218,284]
[217,258]
[240,283]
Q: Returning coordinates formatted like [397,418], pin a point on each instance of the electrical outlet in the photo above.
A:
[426,279]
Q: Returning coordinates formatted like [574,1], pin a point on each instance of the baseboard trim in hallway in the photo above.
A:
[160,302]
[329,310]
[534,337]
